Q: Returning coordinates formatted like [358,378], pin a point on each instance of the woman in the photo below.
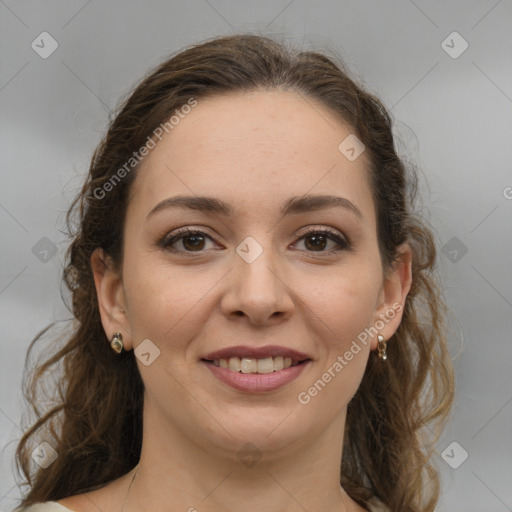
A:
[257,324]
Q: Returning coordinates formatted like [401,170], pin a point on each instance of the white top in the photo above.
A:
[47,506]
[374,505]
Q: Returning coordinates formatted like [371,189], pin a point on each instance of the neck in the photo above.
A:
[176,474]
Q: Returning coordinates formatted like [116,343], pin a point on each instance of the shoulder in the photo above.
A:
[375,505]
[46,506]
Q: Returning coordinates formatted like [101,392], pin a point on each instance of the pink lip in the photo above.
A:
[257,353]
[256,382]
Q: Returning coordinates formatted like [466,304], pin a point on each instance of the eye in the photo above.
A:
[186,240]
[317,240]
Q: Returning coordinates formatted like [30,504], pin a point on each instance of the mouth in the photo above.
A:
[253,365]
[262,360]
[256,369]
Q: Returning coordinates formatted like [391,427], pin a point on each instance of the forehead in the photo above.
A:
[253,148]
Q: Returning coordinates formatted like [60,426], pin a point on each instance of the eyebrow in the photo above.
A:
[294,205]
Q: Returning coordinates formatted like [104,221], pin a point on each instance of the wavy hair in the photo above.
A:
[396,416]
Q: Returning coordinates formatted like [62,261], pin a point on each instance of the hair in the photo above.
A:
[396,416]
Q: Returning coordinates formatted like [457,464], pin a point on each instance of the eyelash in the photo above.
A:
[180,234]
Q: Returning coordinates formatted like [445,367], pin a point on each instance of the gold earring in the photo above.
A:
[117,343]
[382,347]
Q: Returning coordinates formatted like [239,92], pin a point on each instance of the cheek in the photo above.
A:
[347,303]
[347,311]
[160,300]
[346,345]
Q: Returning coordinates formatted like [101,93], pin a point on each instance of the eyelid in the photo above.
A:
[336,235]
[324,229]
[179,233]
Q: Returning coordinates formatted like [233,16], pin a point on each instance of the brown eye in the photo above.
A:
[193,242]
[315,242]
[318,241]
[186,241]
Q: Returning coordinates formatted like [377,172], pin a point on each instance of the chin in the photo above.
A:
[265,428]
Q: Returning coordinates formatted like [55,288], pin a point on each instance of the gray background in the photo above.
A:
[454,118]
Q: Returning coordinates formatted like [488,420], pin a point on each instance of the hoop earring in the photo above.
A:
[116,343]
[382,347]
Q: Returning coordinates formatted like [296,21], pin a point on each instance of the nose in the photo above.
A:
[257,291]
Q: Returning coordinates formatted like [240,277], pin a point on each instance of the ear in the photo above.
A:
[110,293]
[395,287]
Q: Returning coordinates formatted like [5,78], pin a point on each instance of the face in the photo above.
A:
[268,269]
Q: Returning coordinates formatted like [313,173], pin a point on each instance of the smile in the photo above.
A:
[253,365]
[246,374]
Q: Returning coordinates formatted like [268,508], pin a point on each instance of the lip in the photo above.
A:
[258,353]
[256,382]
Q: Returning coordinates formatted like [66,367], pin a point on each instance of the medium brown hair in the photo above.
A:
[395,417]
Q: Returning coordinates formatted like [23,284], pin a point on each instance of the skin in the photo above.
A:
[253,151]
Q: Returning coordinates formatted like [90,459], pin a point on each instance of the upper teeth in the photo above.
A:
[250,365]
